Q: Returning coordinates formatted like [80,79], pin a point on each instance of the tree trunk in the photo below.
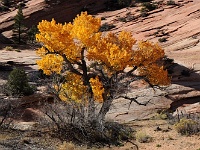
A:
[103,111]
[91,110]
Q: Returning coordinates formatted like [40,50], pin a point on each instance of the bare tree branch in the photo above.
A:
[134,100]
[70,66]
[129,73]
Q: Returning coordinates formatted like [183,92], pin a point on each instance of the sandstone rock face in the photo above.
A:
[36,11]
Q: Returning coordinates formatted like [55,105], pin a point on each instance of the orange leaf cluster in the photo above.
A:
[66,42]
[73,89]
[97,89]
[113,51]
[51,64]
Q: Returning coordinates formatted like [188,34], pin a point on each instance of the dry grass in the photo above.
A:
[142,137]
[187,126]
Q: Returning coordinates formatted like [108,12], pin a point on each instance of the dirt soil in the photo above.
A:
[163,139]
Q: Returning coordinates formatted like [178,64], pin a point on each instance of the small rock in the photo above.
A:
[27,141]
[158,129]
[165,130]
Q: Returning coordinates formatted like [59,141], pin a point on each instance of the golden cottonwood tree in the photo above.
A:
[93,64]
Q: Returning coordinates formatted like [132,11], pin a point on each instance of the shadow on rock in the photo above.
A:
[185,88]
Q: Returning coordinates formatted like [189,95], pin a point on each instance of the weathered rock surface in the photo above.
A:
[36,11]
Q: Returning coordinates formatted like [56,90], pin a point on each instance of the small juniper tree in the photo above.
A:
[18,83]
[31,33]
[18,27]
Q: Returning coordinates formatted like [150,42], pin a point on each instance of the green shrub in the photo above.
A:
[187,126]
[162,40]
[149,6]
[126,18]
[146,7]
[4,8]
[106,27]
[143,12]
[171,2]
[18,83]
[31,33]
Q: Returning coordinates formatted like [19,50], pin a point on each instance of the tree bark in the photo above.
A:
[103,111]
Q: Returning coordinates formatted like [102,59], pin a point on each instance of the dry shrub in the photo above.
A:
[161,115]
[142,137]
[187,126]
[67,127]
[9,48]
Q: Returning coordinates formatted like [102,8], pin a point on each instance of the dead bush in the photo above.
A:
[68,127]
[187,126]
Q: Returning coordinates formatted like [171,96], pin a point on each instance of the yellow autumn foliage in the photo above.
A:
[114,51]
[84,27]
[51,63]
[155,74]
[147,53]
[97,89]
[73,89]
[65,43]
